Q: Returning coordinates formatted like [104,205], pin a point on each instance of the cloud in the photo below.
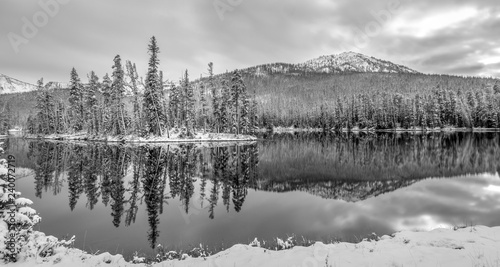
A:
[450,36]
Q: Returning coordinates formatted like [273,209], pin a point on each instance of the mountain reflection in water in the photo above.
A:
[135,185]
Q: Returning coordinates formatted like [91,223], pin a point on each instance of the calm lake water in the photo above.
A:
[123,199]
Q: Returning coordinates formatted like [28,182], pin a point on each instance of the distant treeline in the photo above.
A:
[100,108]
[376,100]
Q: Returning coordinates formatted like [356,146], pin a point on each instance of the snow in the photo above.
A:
[255,243]
[173,137]
[10,85]
[469,246]
[355,62]
[3,166]
[23,202]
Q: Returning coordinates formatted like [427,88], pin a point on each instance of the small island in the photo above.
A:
[149,111]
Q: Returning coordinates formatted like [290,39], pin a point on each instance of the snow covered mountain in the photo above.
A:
[10,85]
[341,63]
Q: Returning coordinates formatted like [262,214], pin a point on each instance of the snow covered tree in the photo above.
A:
[134,80]
[225,107]
[253,115]
[119,118]
[45,110]
[16,217]
[216,114]
[174,105]
[61,120]
[105,106]
[91,104]
[153,95]
[238,93]
[188,106]
[204,107]
[76,102]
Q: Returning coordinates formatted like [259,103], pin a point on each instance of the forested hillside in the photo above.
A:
[375,100]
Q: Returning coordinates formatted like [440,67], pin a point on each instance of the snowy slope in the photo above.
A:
[353,62]
[341,63]
[459,247]
[10,85]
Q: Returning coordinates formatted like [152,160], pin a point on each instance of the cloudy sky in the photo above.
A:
[46,38]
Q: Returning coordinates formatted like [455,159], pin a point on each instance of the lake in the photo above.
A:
[124,198]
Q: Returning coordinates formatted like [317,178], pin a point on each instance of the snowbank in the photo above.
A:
[471,246]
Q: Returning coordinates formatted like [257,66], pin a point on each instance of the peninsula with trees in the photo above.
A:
[117,110]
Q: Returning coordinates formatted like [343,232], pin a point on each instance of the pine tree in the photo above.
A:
[225,107]
[254,120]
[45,110]
[481,115]
[238,90]
[61,118]
[105,107]
[216,120]
[119,118]
[91,104]
[245,113]
[173,105]
[76,102]
[189,106]
[204,106]
[152,100]
[134,79]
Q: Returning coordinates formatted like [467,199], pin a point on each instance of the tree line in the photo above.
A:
[162,109]
[441,107]
[302,100]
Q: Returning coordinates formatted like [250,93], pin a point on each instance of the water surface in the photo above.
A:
[124,199]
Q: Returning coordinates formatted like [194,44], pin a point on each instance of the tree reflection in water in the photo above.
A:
[349,167]
[157,174]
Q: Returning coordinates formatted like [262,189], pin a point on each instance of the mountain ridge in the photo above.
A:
[9,85]
[346,62]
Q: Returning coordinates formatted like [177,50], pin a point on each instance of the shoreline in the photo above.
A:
[132,139]
[459,246]
[394,130]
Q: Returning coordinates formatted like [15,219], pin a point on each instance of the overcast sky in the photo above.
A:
[445,36]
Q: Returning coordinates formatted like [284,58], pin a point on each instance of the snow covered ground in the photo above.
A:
[470,246]
[172,138]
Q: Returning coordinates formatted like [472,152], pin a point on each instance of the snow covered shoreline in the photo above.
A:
[469,246]
[198,138]
[393,130]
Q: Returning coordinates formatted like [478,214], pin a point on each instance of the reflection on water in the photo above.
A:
[113,196]
[355,167]
[158,173]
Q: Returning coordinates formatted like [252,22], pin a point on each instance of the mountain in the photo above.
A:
[9,85]
[348,62]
